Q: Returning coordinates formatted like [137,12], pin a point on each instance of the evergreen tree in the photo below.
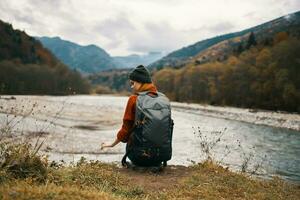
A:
[240,48]
[251,40]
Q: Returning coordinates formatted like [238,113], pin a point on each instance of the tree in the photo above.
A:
[251,40]
[240,48]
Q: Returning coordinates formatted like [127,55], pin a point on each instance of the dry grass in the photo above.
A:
[28,190]
[210,181]
[25,174]
[96,180]
[84,180]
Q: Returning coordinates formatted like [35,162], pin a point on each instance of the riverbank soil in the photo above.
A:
[152,182]
[105,181]
[208,181]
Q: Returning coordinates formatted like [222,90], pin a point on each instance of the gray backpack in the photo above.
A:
[150,143]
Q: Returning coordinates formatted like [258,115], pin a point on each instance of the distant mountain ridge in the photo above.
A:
[180,57]
[86,59]
[91,58]
[134,59]
[264,34]
[26,67]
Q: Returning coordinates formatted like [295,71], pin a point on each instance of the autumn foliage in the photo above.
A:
[26,67]
[263,76]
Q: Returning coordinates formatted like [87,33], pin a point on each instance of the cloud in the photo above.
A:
[154,37]
[292,3]
[138,26]
[116,30]
[214,29]
[221,27]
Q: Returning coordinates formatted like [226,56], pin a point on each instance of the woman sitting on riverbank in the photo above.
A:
[147,124]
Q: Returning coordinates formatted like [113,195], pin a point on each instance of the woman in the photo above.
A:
[147,129]
[140,80]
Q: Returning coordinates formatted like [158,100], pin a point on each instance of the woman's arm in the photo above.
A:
[128,121]
[103,145]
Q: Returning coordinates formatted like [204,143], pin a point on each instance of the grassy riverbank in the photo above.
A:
[26,175]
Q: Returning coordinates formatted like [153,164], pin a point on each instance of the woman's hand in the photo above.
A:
[103,145]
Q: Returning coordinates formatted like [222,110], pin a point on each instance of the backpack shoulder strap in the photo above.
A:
[161,94]
[142,93]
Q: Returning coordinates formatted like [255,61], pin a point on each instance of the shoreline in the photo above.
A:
[285,120]
[259,117]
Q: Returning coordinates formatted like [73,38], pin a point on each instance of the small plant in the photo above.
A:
[14,116]
[22,160]
[248,160]
[208,144]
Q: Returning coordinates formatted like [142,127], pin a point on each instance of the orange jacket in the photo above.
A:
[129,115]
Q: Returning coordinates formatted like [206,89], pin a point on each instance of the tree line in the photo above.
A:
[19,78]
[260,76]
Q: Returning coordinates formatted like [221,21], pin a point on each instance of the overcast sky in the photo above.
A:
[123,27]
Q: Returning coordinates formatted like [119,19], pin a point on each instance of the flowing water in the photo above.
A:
[75,126]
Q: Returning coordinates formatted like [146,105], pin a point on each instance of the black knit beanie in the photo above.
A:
[140,74]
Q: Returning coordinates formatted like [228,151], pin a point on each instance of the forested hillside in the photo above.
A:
[263,76]
[116,80]
[26,67]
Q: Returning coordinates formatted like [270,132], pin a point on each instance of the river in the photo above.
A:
[75,126]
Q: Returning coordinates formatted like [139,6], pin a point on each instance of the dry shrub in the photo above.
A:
[23,161]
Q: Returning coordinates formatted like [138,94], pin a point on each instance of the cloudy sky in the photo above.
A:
[123,27]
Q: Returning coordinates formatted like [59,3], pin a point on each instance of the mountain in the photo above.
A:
[258,70]
[26,67]
[285,26]
[264,76]
[134,59]
[86,59]
[181,57]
